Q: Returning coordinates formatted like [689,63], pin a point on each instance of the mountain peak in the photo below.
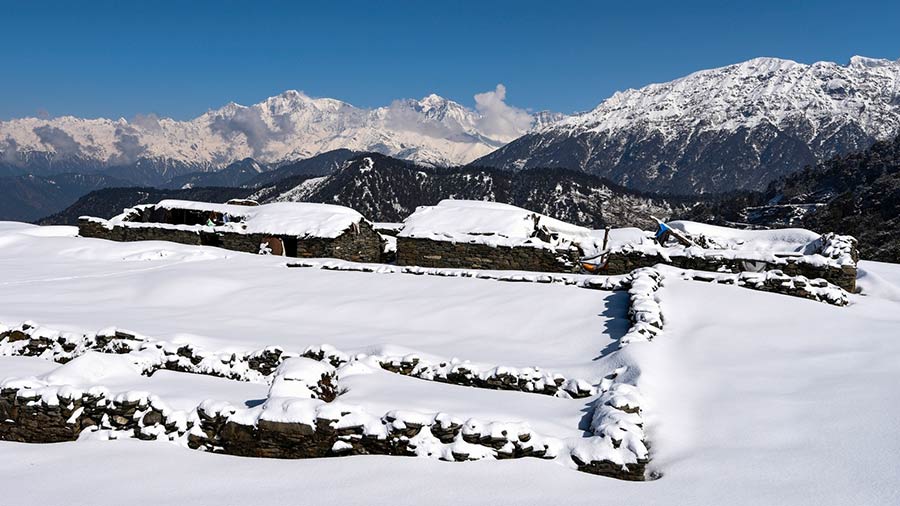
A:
[866,62]
[732,127]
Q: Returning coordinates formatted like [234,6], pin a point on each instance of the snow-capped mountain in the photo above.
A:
[734,127]
[287,127]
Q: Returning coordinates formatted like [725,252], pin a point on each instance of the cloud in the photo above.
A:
[498,119]
[61,142]
[406,115]
[10,152]
[148,122]
[246,121]
[128,142]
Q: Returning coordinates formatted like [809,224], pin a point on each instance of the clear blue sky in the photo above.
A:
[180,59]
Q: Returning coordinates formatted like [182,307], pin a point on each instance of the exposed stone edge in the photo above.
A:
[257,366]
[776,281]
[48,414]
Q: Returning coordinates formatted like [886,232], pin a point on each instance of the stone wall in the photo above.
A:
[357,244]
[446,254]
[625,262]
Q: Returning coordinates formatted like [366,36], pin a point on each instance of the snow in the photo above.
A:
[302,219]
[295,377]
[381,391]
[180,391]
[93,368]
[778,240]
[772,246]
[746,397]
[222,300]
[493,223]
[878,279]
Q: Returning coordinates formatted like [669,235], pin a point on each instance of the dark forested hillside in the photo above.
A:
[389,189]
[109,202]
[857,194]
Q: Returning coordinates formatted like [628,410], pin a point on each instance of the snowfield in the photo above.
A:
[748,397]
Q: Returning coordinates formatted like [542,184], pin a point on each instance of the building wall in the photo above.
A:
[429,253]
[358,244]
[623,263]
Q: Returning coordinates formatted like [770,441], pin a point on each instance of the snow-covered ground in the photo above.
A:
[222,300]
[750,397]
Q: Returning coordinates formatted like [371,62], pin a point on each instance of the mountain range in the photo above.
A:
[281,129]
[735,127]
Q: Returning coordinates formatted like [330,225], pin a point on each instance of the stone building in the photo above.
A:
[293,229]
[489,235]
[795,252]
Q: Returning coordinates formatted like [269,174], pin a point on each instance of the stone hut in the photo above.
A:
[794,251]
[293,229]
[489,235]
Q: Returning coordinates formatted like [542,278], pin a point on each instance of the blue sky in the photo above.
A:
[179,59]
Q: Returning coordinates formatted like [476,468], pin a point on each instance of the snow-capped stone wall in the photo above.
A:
[359,244]
[461,255]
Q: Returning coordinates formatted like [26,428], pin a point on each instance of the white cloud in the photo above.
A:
[498,119]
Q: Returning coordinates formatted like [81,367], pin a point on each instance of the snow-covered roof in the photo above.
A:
[492,223]
[301,219]
[771,246]
[778,240]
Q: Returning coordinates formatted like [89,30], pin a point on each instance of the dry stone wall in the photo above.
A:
[358,244]
[459,255]
[624,262]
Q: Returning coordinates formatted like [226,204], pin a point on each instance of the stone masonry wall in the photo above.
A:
[446,254]
[622,263]
[358,244]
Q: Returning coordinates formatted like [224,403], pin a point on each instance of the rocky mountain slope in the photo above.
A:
[387,189]
[735,127]
[286,127]
[319,165]
[856,194]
